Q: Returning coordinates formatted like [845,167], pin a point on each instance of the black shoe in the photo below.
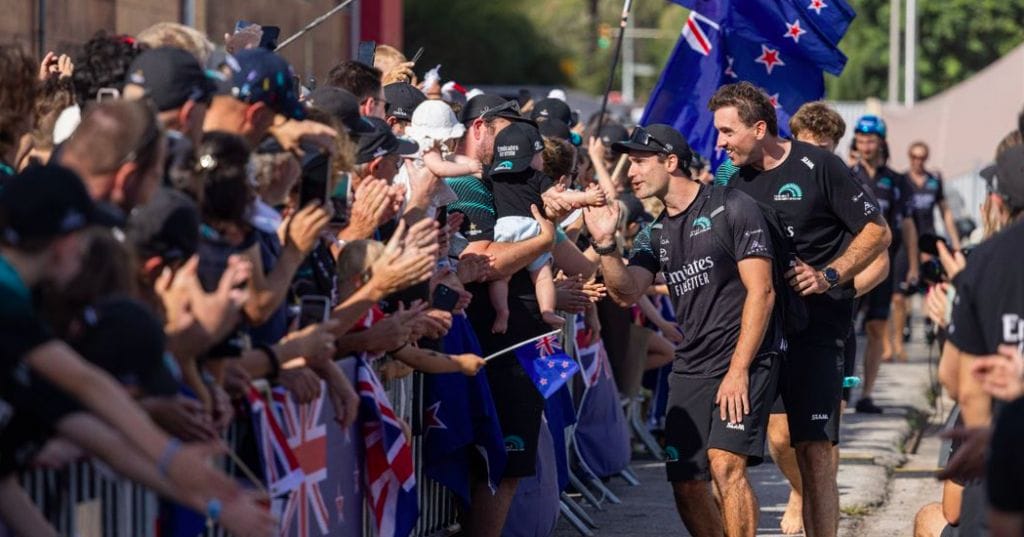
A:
[867,406]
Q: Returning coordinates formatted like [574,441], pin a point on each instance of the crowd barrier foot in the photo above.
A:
[569,515]
[578,510]
[605,491]
[629,477]
[641,432]
[585,492]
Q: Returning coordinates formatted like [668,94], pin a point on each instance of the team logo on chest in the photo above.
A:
[700,225]
[790,192]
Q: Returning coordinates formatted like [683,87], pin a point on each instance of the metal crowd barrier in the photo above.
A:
[88,500]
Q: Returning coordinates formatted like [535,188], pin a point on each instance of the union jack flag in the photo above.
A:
[281,468]
[307,437]
[390,478]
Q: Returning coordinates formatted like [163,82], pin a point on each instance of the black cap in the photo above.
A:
[489,105]
[342,105]
[554,128]
[171,77]
[123,337]
[551,108]
[166,227]
[402,98]
[44,202]
[1009,179]
[612,132]
[381,141]
[514,148]
[657,138]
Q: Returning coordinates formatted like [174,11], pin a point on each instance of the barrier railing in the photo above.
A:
[86,499]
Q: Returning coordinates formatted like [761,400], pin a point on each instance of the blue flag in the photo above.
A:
[809,30]
[547,366]
[459,419]
[602,433]
[721,48]
[560,413]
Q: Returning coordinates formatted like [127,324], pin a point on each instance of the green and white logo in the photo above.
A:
[671,453]
[503,165]
[514,443]
[700,225]
[790,192]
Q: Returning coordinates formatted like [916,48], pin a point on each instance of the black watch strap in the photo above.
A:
[607,250]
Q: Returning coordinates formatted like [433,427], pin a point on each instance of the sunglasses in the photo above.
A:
[918,157]
[508,106]
[642,137]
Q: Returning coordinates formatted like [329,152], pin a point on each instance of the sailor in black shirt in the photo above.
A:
[836,230]
[714,248]
[892,190]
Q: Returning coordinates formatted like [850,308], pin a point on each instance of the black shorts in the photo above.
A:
[849,361]
[811,382]
[693,423]
[519,406]
[878,302]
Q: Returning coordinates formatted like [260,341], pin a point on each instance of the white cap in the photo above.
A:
[557,94]
[473,93]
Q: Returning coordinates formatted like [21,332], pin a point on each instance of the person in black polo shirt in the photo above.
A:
[892,190]
[713,246]
[837,230]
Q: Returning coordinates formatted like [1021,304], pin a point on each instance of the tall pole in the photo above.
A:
[615,61]
[910,58]
[628,68]
[894,51]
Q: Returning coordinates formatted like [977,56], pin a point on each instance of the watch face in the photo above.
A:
[831,275]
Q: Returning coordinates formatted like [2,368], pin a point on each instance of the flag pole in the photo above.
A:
[313,24]
[521,343]
[623,21]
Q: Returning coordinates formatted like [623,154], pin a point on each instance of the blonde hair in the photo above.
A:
[172,34]
[355,258]
[386,57]
[820,120]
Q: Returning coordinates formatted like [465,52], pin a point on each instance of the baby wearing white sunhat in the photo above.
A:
[437,131]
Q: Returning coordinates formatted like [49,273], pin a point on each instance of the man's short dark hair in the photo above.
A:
[750,101]
[361,80]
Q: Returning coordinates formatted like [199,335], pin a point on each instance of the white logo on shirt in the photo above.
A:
[819,417]
[808,163]
[869,209]
[735,426]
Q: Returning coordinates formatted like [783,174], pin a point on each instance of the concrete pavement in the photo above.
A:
[872,452]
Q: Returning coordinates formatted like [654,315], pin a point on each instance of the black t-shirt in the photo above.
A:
[703,278]
[1005,478]
[923,200]
[822,207]
[892,191]
[515,192]
[476,202]
[989,307]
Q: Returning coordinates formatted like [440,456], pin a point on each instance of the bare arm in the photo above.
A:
[267,292]
[443,168]
[909,229]
[18,511]
[756,275]
[874,274]
[570,260]
[625,284]
[947,219]
[949,369]
[975,404]
[872,240]
[511,257]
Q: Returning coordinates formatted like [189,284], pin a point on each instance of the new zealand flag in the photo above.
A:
[547,366]
[460,422]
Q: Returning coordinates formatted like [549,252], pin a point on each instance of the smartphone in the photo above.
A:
[366,51]
[313,184]
[416,57]
[928,244]
[313,309]
[445,298]
[340,206]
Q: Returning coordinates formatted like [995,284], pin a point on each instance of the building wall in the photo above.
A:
[69,22]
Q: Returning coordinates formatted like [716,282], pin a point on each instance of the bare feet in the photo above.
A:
[900,354]
[500,325]
[552,319]
[793,520]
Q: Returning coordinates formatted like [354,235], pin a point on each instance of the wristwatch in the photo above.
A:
[831,276]
[606,250]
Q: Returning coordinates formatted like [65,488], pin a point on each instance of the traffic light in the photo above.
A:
[604,35]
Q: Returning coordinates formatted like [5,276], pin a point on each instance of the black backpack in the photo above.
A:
[789,306]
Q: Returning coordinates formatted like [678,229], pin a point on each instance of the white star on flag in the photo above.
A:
[817,6]
[774,98]
[728,68]
[543,382]
[565,364]
[794,31]
[769,58]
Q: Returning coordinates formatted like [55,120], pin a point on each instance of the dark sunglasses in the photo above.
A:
[508,106]
[642,137]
